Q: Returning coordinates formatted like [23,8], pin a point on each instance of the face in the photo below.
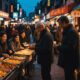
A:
[17,39]
[23,35]
[4,38]
[62,24]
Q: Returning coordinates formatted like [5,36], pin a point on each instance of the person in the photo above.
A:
[23,39]
[11,30]
[53,30]
[68,58]
[15,44]
[28,31]
[5,49]
[43,49]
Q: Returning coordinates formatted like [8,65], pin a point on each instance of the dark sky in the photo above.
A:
[28,5]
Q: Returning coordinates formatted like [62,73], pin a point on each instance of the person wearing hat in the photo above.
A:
[68,57]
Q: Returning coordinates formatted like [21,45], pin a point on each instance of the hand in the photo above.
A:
[10,51]
[31,47]
[54,44]
[21,48]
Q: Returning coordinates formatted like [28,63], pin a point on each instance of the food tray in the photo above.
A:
[13,61]
[26,52]
[2,74]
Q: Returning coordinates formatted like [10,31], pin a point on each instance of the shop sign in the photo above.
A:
[76,13]
[18,7]
[48,16]
[15,15]
[1,19]
[49,2]
[12,8]
[4,14]
[69,2]
[62,10]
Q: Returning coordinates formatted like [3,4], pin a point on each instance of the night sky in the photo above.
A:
[28,5]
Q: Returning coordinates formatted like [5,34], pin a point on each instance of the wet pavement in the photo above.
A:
[57,72]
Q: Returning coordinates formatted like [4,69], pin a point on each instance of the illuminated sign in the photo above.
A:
[76,13]
[18,7]
[15,15]
[1,19]
[20,12]
[4,14]
[49,2]
[62,10]
[11,8]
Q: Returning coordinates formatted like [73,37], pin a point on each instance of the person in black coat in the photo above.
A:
[44,49]
[68,58]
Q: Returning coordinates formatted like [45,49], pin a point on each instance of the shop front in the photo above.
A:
[3,16]
[63,10]
[76,15]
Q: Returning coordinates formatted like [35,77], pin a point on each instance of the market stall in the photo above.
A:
[3,16]
[11,67]
[76,15]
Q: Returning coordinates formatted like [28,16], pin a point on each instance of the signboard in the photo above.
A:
[69,2]
[12,8]
[4,14]
[20,12]
[15,15]
[18,7]
[76,13]
[49,2]
[1,19]
[62,10]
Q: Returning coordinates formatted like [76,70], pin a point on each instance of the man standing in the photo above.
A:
[44,51]
[68,58]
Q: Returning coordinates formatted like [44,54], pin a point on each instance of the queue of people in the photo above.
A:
[14,38]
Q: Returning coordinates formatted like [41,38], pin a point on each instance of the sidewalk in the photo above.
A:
[57,73]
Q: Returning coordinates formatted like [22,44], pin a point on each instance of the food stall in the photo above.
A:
[3,16]
[11,67]
[76,15]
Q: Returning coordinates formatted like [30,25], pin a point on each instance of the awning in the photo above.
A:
[63,10]
[4,14]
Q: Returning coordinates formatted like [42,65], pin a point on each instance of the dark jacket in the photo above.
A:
[44,48]
[24,40]
[4,48]
[69,48]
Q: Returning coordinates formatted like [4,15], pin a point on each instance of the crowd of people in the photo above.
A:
[13,38]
